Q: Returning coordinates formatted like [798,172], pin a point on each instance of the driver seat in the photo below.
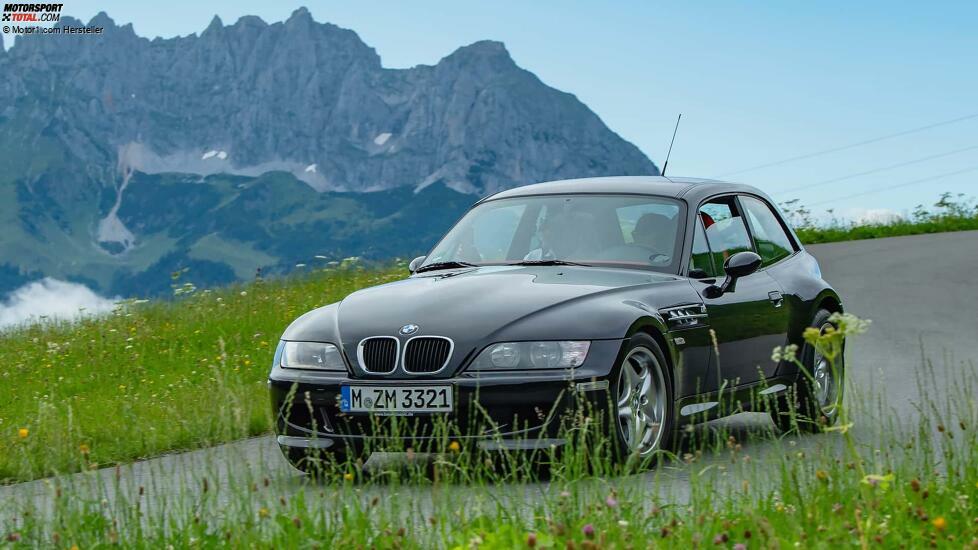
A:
[655,231]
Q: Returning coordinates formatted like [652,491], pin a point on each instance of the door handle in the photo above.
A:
[776,298]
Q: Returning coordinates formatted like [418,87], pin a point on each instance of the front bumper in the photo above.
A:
[498,411]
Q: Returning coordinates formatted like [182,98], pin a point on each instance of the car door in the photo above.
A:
[750,321]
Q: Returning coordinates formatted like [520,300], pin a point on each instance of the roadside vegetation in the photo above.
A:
[875,479]
[152,377]
[950,213]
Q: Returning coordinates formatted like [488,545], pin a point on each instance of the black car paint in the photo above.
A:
[480,306]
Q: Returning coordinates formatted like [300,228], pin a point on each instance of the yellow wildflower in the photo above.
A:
[348,476]
[939,523]
[23,433]
[454,447]
[263,513]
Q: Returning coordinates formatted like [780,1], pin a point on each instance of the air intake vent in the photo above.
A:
[378,355]
[427,354]
[685,316]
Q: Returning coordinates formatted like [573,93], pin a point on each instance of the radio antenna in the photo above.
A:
[676,129]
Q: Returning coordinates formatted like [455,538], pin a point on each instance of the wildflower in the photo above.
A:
[454,447]
[786,353]
[588,531]
[915,485]
[83,449]
[822,475]
[939,523]
[622,523]
[244,292]
[348,476]
[531,540]
[740,546]
[876,480]
[611,501]
[722,538]
[263,512]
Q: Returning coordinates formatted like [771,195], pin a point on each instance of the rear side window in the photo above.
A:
[726,232]
[772,242]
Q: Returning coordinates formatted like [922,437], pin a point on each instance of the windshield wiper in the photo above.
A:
[443,265]
[549,262]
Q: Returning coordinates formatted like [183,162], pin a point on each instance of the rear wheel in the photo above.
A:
[643,400]
[813,402]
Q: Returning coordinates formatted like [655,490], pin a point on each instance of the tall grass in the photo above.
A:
[949,213]
[883,477]
[152,377]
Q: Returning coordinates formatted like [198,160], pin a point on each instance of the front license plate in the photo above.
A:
[396,399]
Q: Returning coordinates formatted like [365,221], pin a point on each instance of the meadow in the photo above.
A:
[153,377]
[874,480]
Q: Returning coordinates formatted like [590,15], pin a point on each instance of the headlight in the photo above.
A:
[532,355]
[311,355]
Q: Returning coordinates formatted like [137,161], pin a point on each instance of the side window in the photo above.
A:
[701,260]
[725,229]
[772,242]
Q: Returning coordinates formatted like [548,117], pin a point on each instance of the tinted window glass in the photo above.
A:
[725,229]
[634,231]
[772,242]
[701,259]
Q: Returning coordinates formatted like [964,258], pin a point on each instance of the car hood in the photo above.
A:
[478,306]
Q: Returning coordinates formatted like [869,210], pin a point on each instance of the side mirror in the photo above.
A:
[416,263]
[739,265]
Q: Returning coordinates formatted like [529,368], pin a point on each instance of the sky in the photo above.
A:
[757,83]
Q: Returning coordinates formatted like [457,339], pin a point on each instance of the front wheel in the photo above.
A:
[813,402]
[643,400]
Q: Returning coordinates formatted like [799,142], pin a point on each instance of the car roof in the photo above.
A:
[691,189]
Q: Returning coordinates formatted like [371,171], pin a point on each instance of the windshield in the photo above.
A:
[610,230]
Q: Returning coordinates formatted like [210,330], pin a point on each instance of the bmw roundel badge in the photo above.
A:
[407,330]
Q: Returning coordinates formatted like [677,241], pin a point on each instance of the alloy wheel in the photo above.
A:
[825,384]
[641,401]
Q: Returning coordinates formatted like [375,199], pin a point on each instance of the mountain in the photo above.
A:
[126,156]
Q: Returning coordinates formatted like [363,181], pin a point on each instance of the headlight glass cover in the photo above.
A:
[312,356]
[532,355]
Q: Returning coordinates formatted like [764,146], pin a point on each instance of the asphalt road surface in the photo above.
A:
[919,291]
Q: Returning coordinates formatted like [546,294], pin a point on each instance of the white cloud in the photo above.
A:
[52,299]
[382,138]
[872,216]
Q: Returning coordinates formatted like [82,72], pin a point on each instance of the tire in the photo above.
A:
[641,381]
[812,402]
[321,462]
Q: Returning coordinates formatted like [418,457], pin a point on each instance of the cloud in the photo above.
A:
[52,299]
[868,216]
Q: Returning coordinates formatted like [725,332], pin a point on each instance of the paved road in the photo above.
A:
[919,291]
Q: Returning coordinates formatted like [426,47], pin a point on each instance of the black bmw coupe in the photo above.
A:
[658,300]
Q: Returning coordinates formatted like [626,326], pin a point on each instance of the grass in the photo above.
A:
[152,377]
[880,480]
[948,214]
